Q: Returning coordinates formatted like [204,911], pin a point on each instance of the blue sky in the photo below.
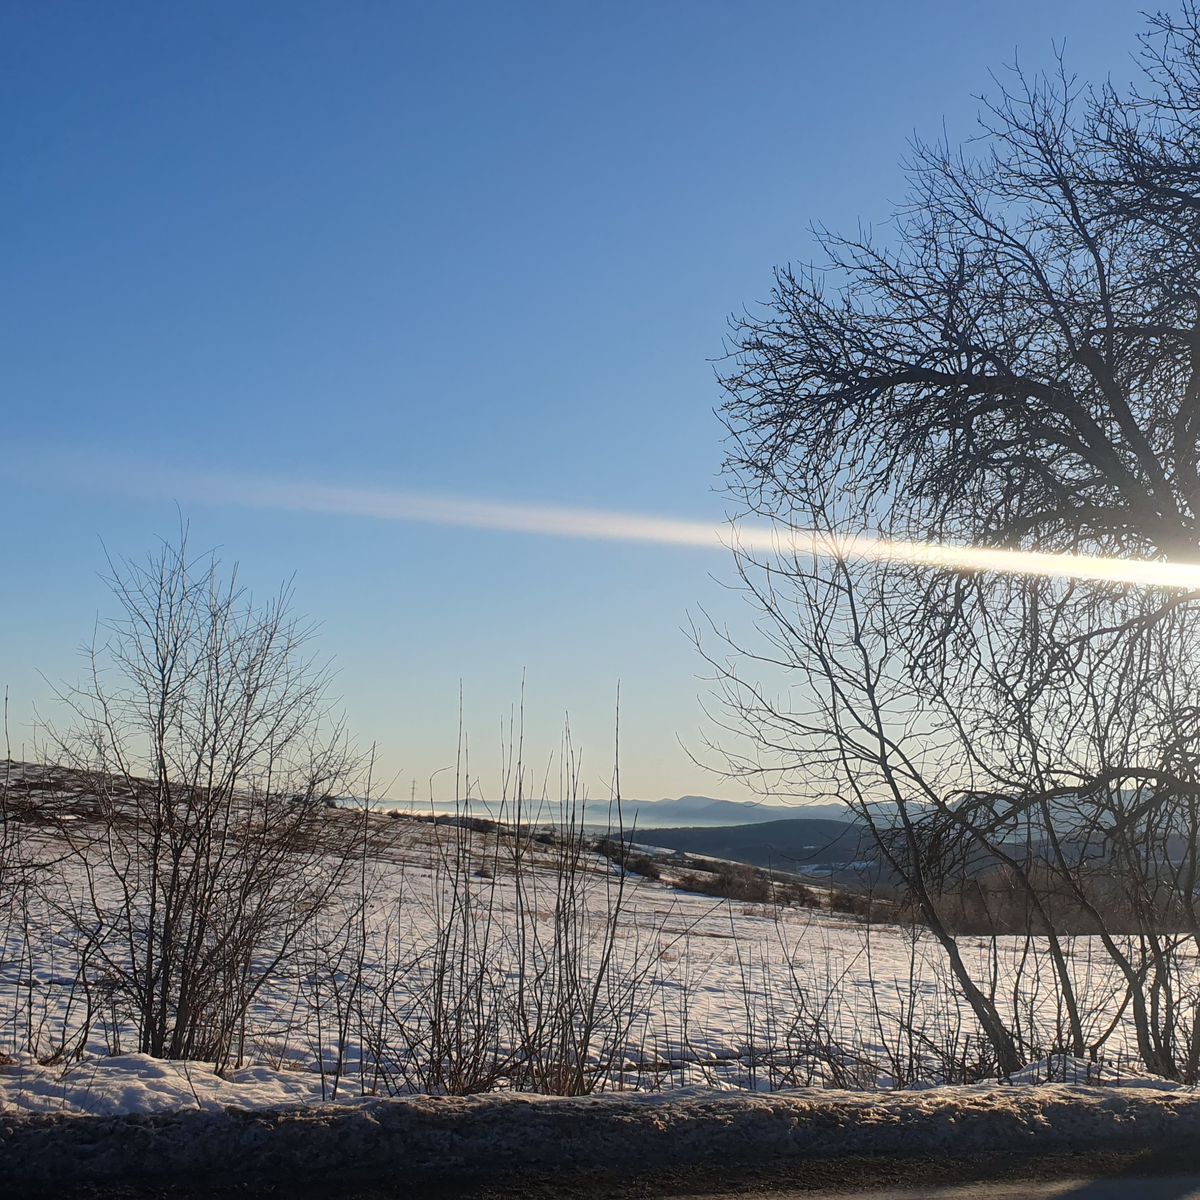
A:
[478,250]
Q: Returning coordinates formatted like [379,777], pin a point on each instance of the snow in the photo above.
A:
[715,1065]
[128,1084]
[1066,1069]
[428,1139]
[733,999]
[137,1083]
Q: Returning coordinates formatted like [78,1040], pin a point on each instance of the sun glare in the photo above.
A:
[599,525]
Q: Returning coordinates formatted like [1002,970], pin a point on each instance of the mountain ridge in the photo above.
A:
[711,810]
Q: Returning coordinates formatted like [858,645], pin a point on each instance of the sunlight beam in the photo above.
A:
[565,522]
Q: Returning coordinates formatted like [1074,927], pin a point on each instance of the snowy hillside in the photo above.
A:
[452,943]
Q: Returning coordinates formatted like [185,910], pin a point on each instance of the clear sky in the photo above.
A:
[475,250]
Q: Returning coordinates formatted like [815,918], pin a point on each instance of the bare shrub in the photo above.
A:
[626,856]
[532,976]
[645,866]
[731,881]
[205,737]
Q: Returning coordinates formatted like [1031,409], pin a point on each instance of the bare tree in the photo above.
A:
[1019,364]
[1018,361]
[206,735]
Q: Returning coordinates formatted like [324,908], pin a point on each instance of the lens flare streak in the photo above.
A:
[629,527]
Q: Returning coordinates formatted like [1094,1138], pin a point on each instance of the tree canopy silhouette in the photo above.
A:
[1018,360]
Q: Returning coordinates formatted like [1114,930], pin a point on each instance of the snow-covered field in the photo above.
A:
[698,993]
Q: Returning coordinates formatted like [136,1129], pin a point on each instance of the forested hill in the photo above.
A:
[794,843]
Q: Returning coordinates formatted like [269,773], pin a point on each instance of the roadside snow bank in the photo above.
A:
[136,1083]
[428,1139]
[133,1084]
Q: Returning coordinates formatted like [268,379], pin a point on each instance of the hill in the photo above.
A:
[706,810]
[795,843]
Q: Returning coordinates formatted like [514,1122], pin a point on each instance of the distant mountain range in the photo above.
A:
[705,810]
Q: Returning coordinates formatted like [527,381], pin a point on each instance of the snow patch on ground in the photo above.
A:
[137,1083]
[1063,1068]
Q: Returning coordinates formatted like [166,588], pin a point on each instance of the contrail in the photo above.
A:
[556,521]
